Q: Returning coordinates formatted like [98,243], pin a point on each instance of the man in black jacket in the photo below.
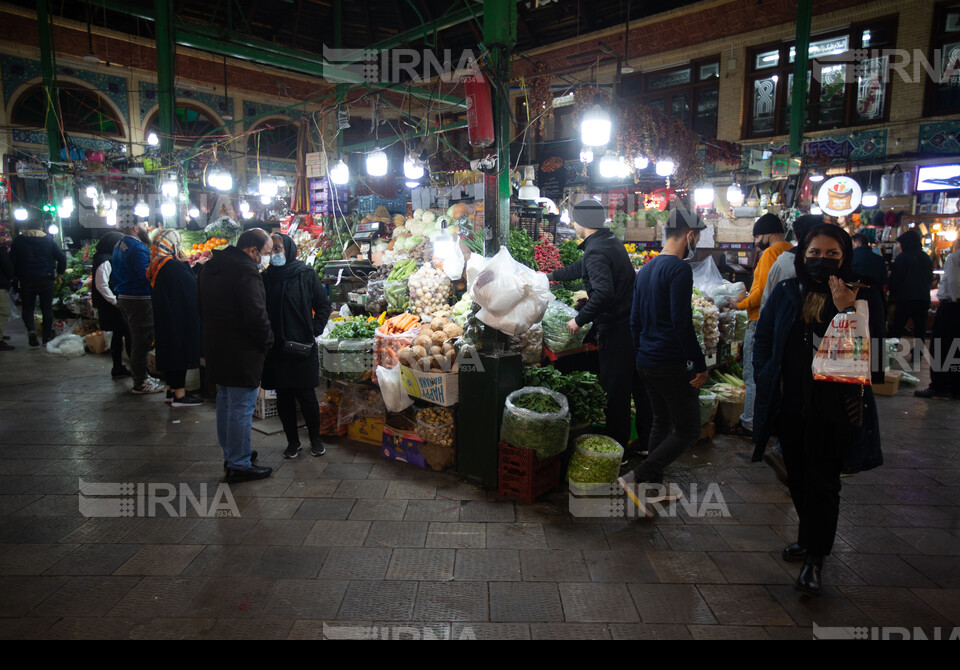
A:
[608,277]
[910,281]
[37,262]
[236,338]
[6,281]
[867,263]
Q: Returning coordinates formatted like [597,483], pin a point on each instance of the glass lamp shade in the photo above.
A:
[869,199]
[734,195]
[703,196]
[609,166]
[340,173]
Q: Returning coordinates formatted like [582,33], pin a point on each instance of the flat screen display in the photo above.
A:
[938,178]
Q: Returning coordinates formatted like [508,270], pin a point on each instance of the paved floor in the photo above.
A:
[352,545]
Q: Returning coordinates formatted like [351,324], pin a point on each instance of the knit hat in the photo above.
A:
[768,224]
[803,224]
[590,214]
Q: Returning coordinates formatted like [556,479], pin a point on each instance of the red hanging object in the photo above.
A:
[479,111]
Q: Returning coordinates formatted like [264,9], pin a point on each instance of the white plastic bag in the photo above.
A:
[394,395]
[502,284]
[706,275]
[453,267]
[68,346]
[844,353]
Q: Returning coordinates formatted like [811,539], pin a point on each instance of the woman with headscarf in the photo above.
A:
[176,319]
[821,424]
[104,299]
[298,307]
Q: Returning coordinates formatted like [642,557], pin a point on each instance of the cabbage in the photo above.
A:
[410,222]
[428,216]
[416,228]
[414,241]
[397,231]
[418,214]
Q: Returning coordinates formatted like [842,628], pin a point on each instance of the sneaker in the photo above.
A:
[931,392]
[292,451]
[34,342]
[737,431]
[146,388]
[6,347]
[317,448]
[186,401]
[169,398]
[121,372]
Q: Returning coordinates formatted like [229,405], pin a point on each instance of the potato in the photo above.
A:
[419,352]
[423,341]
[447,347]
[434,350]
[439,338]
[451,357]
[452,330]
[438,323]
[426,331]
[438,363]
[405,354]
[424,363]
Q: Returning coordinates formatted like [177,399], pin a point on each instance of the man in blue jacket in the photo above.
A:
[37,263]
[131,257]
[669,358]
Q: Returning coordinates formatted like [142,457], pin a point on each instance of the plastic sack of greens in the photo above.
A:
[707,402]
[706,275]
[536,418]
[595,462]
[555,333]
[727,294]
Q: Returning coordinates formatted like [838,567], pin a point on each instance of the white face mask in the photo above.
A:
[264,262]
[691,248]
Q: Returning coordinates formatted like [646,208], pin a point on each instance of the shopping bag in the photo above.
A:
[844,353]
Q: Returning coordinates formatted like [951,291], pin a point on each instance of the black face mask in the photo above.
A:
[763,246]
[821,269]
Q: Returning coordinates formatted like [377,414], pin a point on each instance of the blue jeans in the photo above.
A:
[235,407]
[750,392]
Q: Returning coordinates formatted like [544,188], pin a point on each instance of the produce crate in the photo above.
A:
[891,384]
[367,429]
[367,204]
[266,407]
[401,442]
[521,473]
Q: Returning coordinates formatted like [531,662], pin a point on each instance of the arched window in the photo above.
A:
[277,139]
[190,123]
[82,111]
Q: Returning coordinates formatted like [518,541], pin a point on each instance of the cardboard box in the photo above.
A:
[891,384]
[439,388]
[401,443]
[314,158]
[316,171]
[368,429]
[728,414]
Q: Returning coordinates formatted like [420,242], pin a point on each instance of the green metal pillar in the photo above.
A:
[166,60]
[499,36]
[51,110]
[798,108]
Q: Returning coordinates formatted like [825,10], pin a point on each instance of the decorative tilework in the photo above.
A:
[18,71]
[148,99]
[856,146]
[85,143]
[940,138]
[252,109]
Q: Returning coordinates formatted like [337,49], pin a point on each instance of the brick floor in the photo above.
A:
[350,545]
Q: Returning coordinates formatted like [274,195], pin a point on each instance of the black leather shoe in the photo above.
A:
[794,553]
[247,474]
[808,580]
[253,458]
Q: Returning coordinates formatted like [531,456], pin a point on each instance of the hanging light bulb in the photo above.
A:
[586,155]
[565,217]
[248,214]
[528,191]
[213,178]
[340,173]
[269,187]
[53,229]
[412,169]
[641,162]
[194,212]
[703,196]
[595,127]
[168,209]
[225,181]
[665,167]
[869,199]
[734,195]
[169,188]
[412,184]
[816,176]
[152,139]
[21,214]
[281,182]
[91,192]
[66,208]
[141,209]
[950,235]
[623,168]
[244,206]
[377,163]
[111,217]
[609,165]
[265,200]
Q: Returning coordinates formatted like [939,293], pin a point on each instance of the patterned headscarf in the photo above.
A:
[165,247]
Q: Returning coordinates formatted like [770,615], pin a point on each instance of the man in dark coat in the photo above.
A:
[298,307]
[608,277]
[868,264]
[6,281]
[37,262]
[236,338]
[910,281]
[105,300]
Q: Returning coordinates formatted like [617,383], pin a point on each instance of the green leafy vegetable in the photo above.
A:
[545,431]
[586,398]
[555,333]
[521,247]
[595,460]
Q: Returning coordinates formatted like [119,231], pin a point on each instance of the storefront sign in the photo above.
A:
[839,196]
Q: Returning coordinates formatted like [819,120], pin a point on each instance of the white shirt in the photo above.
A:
[102,281]
[950,281]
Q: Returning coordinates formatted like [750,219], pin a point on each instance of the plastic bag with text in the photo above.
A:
[844,353]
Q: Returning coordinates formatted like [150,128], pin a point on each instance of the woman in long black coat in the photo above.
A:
[176,320]
[105,301]
[298,307]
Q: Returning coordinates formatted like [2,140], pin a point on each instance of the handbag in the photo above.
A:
[896,183]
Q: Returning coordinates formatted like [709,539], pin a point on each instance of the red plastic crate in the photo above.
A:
[521,473]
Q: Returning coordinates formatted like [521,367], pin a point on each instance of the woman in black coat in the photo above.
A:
[103,298]
[298,307]
[176,320]
[824,427]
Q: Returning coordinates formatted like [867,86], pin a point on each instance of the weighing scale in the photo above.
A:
[345,277]
[366,233]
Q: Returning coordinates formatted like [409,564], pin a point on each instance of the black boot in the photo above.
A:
[795,553]
[808,580]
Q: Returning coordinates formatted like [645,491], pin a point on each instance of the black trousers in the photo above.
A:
[945,343]
[32,289]
[176,379]
[287,400]
[905,310]
[119,343]
[813,455]
[620,379]
[676,419]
